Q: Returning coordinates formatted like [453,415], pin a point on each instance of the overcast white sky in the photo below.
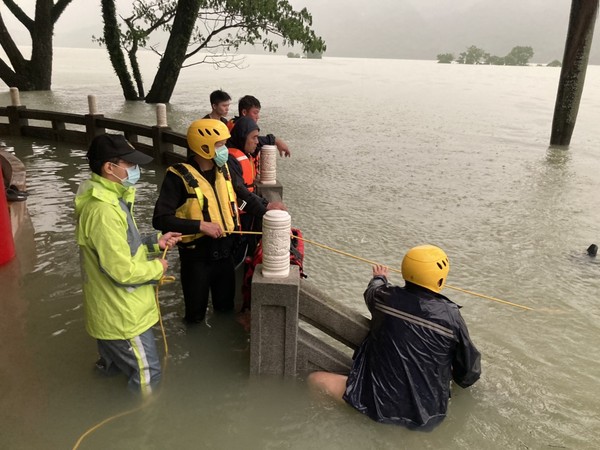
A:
[413,29]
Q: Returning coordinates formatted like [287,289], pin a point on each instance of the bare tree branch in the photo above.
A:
[10,48]
[20,14]
[58,9]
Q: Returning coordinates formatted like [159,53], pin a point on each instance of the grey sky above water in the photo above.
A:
[408,29]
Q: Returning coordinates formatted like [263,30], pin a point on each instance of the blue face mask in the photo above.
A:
[133,175]
[221,155]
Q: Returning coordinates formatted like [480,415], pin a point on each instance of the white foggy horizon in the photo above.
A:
[399,29]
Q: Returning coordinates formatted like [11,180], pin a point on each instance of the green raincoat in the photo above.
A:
[118,277]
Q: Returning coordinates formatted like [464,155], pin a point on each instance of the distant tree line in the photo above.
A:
[518,56]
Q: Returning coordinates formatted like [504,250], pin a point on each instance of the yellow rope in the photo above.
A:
[104,422]
[349,255]
[163,280]
[400,272]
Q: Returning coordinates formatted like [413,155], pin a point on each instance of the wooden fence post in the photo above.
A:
[91,130]
[158,145]
[15,122]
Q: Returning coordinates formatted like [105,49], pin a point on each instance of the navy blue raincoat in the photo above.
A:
[417,344]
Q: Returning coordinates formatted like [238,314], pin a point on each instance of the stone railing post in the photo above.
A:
[91,130]
[160,147]
[268,164]
[275,294]
[15,122]
[267,185]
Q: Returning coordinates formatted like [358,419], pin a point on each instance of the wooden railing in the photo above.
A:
[158,140]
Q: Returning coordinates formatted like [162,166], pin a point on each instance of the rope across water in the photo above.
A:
[358,258]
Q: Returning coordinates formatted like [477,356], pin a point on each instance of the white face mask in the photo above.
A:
[221,156]
[133,175]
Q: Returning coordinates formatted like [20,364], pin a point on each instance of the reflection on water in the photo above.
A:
[451,158]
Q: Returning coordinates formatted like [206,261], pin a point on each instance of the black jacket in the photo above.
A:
[268,139]
[173,194]
[252,203]
[417,344]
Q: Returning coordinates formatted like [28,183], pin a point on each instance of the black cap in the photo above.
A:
[108,146]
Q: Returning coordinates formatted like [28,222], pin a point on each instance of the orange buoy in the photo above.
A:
[7,245]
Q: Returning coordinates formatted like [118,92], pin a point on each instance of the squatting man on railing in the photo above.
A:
[417,344]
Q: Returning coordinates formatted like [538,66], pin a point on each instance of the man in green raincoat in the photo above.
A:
[118,275]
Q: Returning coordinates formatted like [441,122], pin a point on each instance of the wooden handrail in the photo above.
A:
[162,138]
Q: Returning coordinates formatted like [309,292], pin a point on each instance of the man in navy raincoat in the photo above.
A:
[417,344]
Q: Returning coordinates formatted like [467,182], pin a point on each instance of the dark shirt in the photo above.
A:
[222,119]
[255,205]
[173,194]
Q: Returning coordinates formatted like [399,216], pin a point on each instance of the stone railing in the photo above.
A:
[298,329]
[157,140]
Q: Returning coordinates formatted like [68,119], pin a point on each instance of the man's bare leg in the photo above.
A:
[328,383]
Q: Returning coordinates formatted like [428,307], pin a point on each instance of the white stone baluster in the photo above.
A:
[268,164]
[276,244]
[161,115]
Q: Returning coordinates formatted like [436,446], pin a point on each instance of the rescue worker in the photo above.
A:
[118,277]
[197,199]
[249,106]
[417,344]
[219,103]
[242,145]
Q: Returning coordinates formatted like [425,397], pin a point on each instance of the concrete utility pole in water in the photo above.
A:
[574,65]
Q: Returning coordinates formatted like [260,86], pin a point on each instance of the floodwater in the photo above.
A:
[386,154]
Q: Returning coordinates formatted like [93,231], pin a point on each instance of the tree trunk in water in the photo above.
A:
[135,68]
[40,67]
[113,45]
[174,56]
[574,66]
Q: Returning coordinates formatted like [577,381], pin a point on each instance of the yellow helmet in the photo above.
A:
[427,266]
[203,134]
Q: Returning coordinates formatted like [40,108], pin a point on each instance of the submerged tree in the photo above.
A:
[473,55]
[445,58]
[200,31]
[495,60]
[35,73]
[519,56]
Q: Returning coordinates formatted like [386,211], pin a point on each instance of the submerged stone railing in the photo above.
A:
[164,144]
[295,328]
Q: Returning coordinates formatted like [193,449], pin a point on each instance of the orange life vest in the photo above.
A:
[230,124]
[247,165]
